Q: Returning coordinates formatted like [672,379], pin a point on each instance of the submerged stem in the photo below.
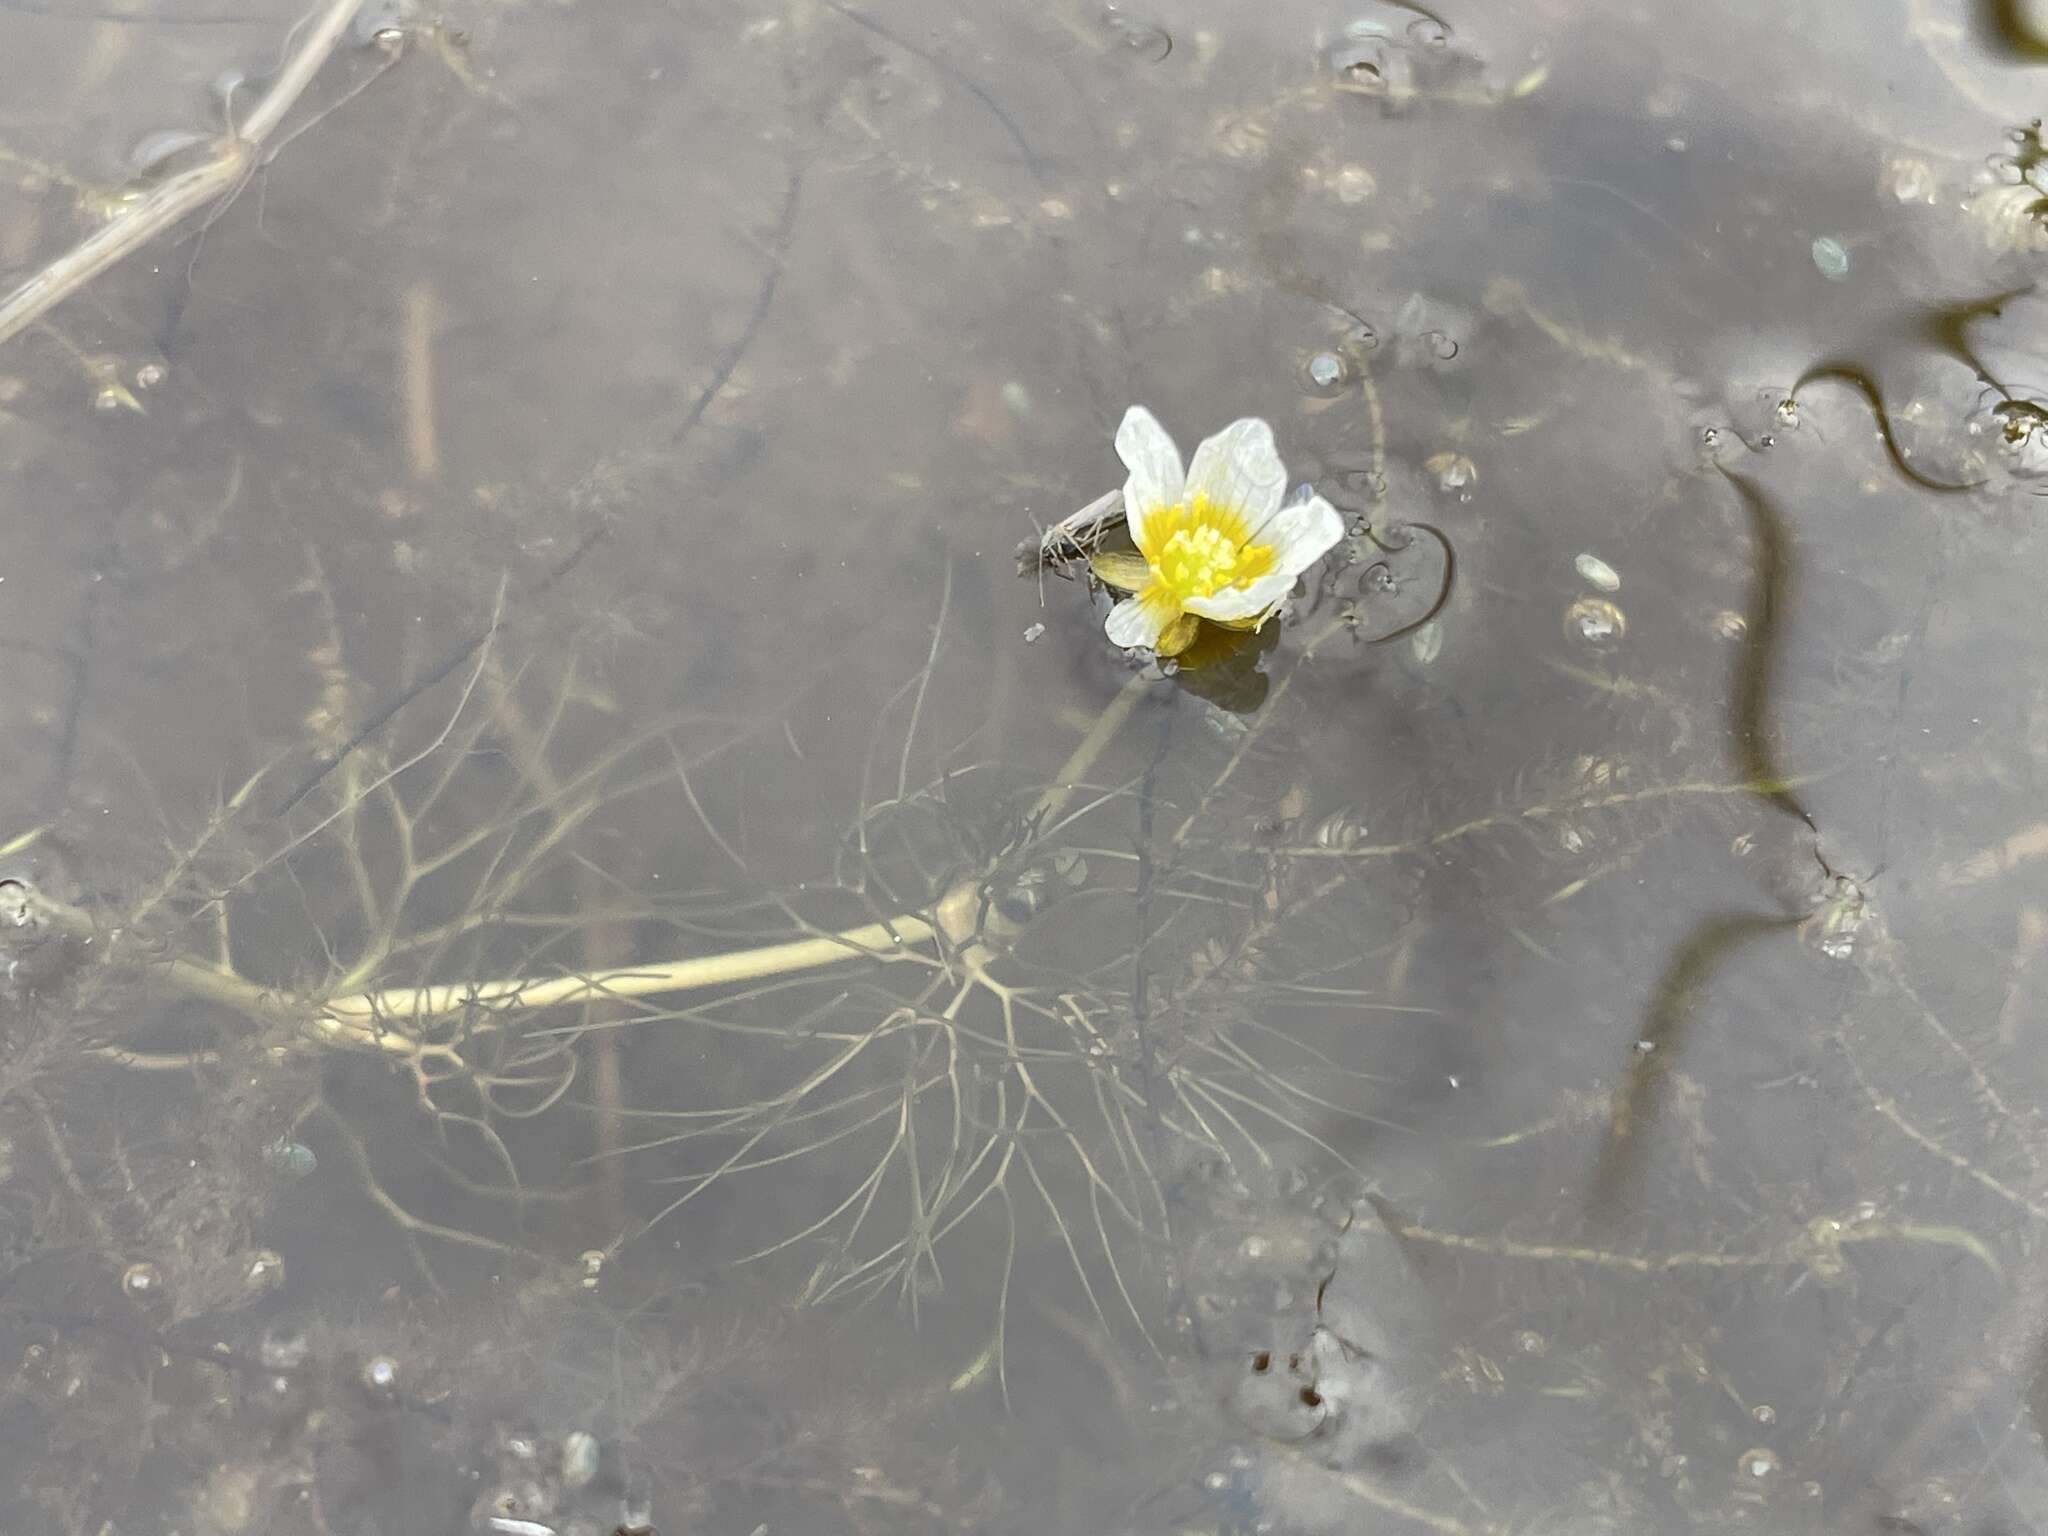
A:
[872,941]
[141,221]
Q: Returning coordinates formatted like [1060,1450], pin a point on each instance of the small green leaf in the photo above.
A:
[1124,569]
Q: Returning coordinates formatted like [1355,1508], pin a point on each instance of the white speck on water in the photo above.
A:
[1831,257]
[1034,632]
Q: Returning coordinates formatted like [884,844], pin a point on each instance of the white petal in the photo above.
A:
[1156,475]
[1133,624]
[1233,604]
[1239,468]
[1302,534]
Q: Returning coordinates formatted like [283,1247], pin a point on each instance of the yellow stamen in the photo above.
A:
[1197,548]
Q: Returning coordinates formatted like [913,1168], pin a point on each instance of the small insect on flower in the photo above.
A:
[1213,540]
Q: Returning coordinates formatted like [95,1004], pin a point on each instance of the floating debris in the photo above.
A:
[1340,830]
[1831,257]
[1353,184]
[1454,472]
[283,1347]
[290,1159]
[579,1458]
[1913,181]
[1595,621]
[1597,573]
[266,1270]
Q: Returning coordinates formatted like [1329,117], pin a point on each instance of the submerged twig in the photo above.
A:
[233,156]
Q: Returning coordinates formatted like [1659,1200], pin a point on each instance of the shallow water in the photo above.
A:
[1572,1064]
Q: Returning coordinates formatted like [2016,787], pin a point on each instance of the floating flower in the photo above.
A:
[1213,540]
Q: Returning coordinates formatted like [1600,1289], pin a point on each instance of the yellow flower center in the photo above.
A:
[1197,548]
[1196,561]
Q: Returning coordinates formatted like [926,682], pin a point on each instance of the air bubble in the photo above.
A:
[155,148]
[381,24]
[1595,621]
[1730,625]
[1597,573]
[1759,1462]
[17,905]
[142,1282]
[1141,39]
[1441,347]
[1710,437]
[1530,1342]
[149,375]
[592,1262]
[1788,413]
[1325,373]
[108,400]
[380,1375]
[1359,63]
[1764,1413]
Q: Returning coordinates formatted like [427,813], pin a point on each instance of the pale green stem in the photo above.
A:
[378,1020]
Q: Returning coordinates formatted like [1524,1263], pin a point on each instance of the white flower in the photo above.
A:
[1216,542]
